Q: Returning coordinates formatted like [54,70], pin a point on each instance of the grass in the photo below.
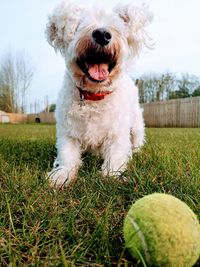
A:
[83,226]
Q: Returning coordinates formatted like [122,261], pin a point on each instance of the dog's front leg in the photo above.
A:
[116,156]
[137,131]
[66,164]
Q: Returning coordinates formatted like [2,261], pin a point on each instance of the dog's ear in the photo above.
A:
[62,25]
[135,20]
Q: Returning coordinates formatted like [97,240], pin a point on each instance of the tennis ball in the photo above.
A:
[162,231]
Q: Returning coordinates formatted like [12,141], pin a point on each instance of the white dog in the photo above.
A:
[97,107]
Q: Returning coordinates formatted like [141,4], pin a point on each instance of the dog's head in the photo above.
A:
[96,43]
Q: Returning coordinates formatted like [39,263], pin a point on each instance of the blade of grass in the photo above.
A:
[10,216]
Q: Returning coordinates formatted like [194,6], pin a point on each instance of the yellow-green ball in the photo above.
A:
[163,231]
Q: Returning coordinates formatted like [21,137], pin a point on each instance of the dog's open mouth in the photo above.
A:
[97,64]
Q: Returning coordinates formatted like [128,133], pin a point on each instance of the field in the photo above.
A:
[83,226]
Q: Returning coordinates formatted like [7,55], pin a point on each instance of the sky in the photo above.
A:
[175,32]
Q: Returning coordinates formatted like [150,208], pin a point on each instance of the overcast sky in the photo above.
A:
[175,31]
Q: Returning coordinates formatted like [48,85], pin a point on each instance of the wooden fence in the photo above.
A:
[43,117]
[173,113]
[17,118]
[12,117]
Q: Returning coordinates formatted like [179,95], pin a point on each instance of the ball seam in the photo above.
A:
[141,237]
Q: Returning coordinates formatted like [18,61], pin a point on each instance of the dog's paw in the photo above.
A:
[60,178]
[117,176]
[136,149]
[120,178]
[123,178]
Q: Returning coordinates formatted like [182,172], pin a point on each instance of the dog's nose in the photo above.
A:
[101,36]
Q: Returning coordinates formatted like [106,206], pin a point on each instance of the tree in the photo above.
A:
[181,93]
[147,85]
[196,92]
[159,87]
[52,108]
[155,87]
[7,83]
[16,73]
[25,73]
[188,83]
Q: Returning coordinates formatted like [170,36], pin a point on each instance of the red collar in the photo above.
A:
[86,95]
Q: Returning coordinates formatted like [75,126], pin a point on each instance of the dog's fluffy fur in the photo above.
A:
[113,126]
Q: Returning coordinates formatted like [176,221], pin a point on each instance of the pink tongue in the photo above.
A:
[98,72]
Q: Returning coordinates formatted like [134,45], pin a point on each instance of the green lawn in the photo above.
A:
[83,226]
